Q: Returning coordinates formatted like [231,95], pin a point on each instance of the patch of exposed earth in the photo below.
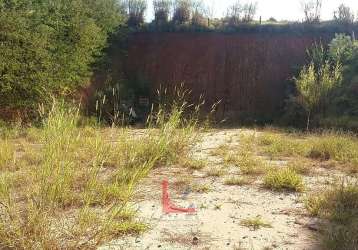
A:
[219,212]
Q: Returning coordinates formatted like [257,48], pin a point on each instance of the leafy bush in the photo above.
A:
[328,86]
[344,50]
[48,48]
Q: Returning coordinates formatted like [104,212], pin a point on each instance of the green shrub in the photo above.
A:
[315,84]
[48,49]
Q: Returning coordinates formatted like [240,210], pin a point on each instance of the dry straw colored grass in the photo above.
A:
[7,154]
[338,147]
[338,205]
[79,181]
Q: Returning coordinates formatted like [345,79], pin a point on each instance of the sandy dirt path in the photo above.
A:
[220,211]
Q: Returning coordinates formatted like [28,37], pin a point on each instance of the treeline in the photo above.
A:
[198,13]
[49,48]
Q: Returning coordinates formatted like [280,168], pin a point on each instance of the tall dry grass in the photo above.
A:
[77,194]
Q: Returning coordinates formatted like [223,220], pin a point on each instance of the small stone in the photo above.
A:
[299,221]
[314,224]
[228,244]
[195,240]
[159,246]
[313,227]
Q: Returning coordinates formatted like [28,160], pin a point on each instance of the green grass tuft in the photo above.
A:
[255,223]
[201,188]
[284,179]
[193,164]
[237,181]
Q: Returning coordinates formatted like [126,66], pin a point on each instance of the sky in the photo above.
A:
[279,9]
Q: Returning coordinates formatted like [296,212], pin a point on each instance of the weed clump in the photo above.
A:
[215,172]
[284,179]
[193,164]
[255,223]
[236,181]
[339,205]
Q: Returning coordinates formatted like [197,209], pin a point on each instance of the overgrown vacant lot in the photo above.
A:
[69,186]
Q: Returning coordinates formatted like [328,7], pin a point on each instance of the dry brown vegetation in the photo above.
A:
[66,187]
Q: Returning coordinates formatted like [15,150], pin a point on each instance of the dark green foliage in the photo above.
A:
[48,47]
[339,107]
[345,50]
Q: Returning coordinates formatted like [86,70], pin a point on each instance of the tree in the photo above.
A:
[161,10]
[241,13]
[182,11]
[312,10]
[135,10]
[233,13]
[249,12]
[199,13]
[344,15]
[272,20]
[314,86]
